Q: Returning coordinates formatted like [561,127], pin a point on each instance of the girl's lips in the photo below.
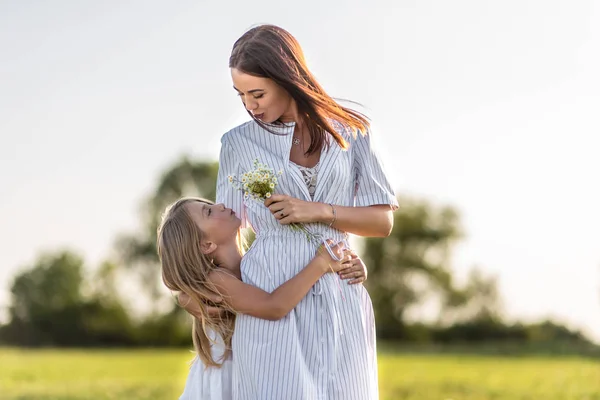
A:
[259,116]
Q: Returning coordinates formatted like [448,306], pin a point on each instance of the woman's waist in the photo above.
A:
[308,232]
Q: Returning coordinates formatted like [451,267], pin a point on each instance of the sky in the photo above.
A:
[489,107]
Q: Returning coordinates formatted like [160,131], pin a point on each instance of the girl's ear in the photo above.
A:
[208,247]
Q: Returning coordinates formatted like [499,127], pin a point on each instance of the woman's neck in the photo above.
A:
[291,114]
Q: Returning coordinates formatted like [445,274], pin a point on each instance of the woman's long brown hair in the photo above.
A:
[269,51]
[185,269]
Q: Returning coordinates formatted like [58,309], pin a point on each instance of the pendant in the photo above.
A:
[296,141]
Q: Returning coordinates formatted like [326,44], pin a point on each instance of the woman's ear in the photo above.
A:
[208,247]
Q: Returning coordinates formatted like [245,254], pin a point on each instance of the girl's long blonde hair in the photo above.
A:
[185,268]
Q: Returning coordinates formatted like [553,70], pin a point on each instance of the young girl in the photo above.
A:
[200,253]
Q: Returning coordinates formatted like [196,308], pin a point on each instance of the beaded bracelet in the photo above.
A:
[334,215]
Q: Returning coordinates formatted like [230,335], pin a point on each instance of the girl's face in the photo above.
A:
[219,224]
[265,99]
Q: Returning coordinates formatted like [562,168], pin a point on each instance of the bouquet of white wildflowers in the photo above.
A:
[259,184]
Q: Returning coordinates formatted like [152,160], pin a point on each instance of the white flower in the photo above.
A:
[258,183]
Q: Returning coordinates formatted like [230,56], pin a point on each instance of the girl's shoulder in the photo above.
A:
[221,273]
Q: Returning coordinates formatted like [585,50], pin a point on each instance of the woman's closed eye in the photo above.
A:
[209,211]
[256,97]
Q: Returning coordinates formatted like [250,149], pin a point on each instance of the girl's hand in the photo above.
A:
[356,270]
[331,265]
[288,210]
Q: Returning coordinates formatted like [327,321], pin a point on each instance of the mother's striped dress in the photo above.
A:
[325,348]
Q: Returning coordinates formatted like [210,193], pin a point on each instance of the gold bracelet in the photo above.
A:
[334,215]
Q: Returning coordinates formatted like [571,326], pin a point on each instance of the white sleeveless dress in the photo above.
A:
[209,383]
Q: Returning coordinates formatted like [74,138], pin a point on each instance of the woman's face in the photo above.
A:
[218,223]
[265,99]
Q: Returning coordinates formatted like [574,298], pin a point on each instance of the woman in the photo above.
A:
[332,183]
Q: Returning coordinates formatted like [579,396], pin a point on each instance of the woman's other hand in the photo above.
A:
[355,270]
[195,308]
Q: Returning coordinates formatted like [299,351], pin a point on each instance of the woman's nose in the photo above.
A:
[250,105]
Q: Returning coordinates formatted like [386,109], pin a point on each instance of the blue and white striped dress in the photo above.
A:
[325,348]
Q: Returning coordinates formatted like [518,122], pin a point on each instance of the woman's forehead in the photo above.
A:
[244,82]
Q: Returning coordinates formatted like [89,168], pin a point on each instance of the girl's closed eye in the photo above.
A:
[209,211]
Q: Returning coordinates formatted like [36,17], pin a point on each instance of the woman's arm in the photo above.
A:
[248,299]
[373,205]
[372,221]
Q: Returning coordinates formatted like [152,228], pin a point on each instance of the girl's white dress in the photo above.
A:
[209,383]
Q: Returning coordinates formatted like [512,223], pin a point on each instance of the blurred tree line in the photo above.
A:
[57,301]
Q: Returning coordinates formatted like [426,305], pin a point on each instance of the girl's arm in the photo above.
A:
[248,299]
[354,271]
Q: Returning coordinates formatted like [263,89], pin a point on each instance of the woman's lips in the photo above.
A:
[259,116]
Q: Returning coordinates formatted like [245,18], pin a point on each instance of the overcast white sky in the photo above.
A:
[488,106]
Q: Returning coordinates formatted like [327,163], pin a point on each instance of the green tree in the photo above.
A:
[46,300]
[411,264]
[49,306]
[482,299]
[138,251]
[105,318]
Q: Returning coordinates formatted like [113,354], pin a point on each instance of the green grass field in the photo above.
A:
[160,374]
